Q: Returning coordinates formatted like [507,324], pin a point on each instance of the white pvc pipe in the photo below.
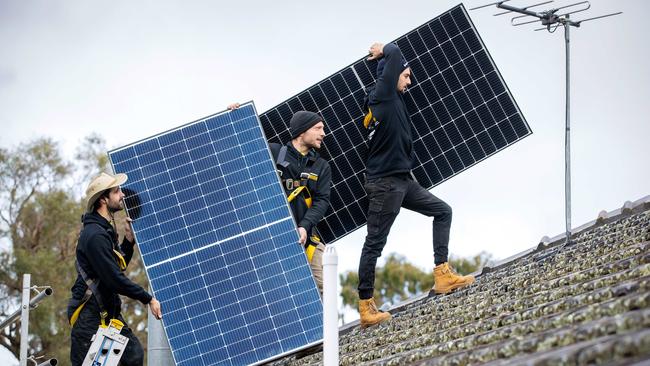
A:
[330,307]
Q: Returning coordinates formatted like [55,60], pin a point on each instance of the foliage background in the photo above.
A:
[41,203]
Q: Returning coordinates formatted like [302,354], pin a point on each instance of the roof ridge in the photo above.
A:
[604,217]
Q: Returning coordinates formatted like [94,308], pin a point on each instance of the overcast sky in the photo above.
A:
[128,70]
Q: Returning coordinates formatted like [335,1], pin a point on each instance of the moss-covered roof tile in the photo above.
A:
[586,303]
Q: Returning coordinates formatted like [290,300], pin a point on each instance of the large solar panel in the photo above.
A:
[461,109]
[218,242]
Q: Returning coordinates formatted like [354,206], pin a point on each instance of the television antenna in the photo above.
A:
[550,20]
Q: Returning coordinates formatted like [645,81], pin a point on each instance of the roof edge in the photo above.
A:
[629,208]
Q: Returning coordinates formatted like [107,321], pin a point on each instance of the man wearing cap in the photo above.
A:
[101,263]
[389,183]
[306,178]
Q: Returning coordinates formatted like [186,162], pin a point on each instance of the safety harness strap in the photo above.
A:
[300,186]
[282,155]
[310,246]
[91,290]
[371,123]
[368,118]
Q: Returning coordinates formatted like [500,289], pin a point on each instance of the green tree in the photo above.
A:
[29,176]
[398,280]
[90,160]
[41,203]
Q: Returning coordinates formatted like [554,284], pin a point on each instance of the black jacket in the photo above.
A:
[320,189]
[391,147]
[97,241]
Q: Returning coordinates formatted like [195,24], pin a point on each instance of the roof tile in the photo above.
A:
[585,303]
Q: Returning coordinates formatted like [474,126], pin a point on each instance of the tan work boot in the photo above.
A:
[369,313]
[446,280]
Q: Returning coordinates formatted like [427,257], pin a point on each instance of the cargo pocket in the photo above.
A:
[376,190]
[375,205]
[392,202]
[384,203]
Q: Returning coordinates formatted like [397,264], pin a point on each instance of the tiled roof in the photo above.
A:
[586,303]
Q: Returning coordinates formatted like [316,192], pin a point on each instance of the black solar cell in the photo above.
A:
[457,86]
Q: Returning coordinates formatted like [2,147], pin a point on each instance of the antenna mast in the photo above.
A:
[550,20]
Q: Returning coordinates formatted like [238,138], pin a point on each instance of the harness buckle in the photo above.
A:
[309,176]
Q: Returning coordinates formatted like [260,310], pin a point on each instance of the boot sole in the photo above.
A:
[364,326]
[451,288]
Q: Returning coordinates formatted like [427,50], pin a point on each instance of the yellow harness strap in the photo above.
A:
[115,323]
[368,118]
[75,315]
[292,196]
[121,262]
[299,190]
[310,248]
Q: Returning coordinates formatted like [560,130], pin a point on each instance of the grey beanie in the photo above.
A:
[302,121]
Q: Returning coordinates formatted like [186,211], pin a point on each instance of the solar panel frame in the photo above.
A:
[456,66]
[254,281]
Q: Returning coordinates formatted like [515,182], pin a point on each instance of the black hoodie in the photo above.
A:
[95,255]
[320,189]
[391,147]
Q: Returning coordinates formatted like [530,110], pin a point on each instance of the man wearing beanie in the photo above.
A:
[390,185]
[306,178]
[101,263]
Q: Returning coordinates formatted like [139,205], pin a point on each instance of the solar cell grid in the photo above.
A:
[219,243]
[461,109]
[214,229]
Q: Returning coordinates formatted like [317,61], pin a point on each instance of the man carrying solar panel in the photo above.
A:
[306,178]
[101,263]
[390,185]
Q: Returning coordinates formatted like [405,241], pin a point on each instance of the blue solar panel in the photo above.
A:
[218,242]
